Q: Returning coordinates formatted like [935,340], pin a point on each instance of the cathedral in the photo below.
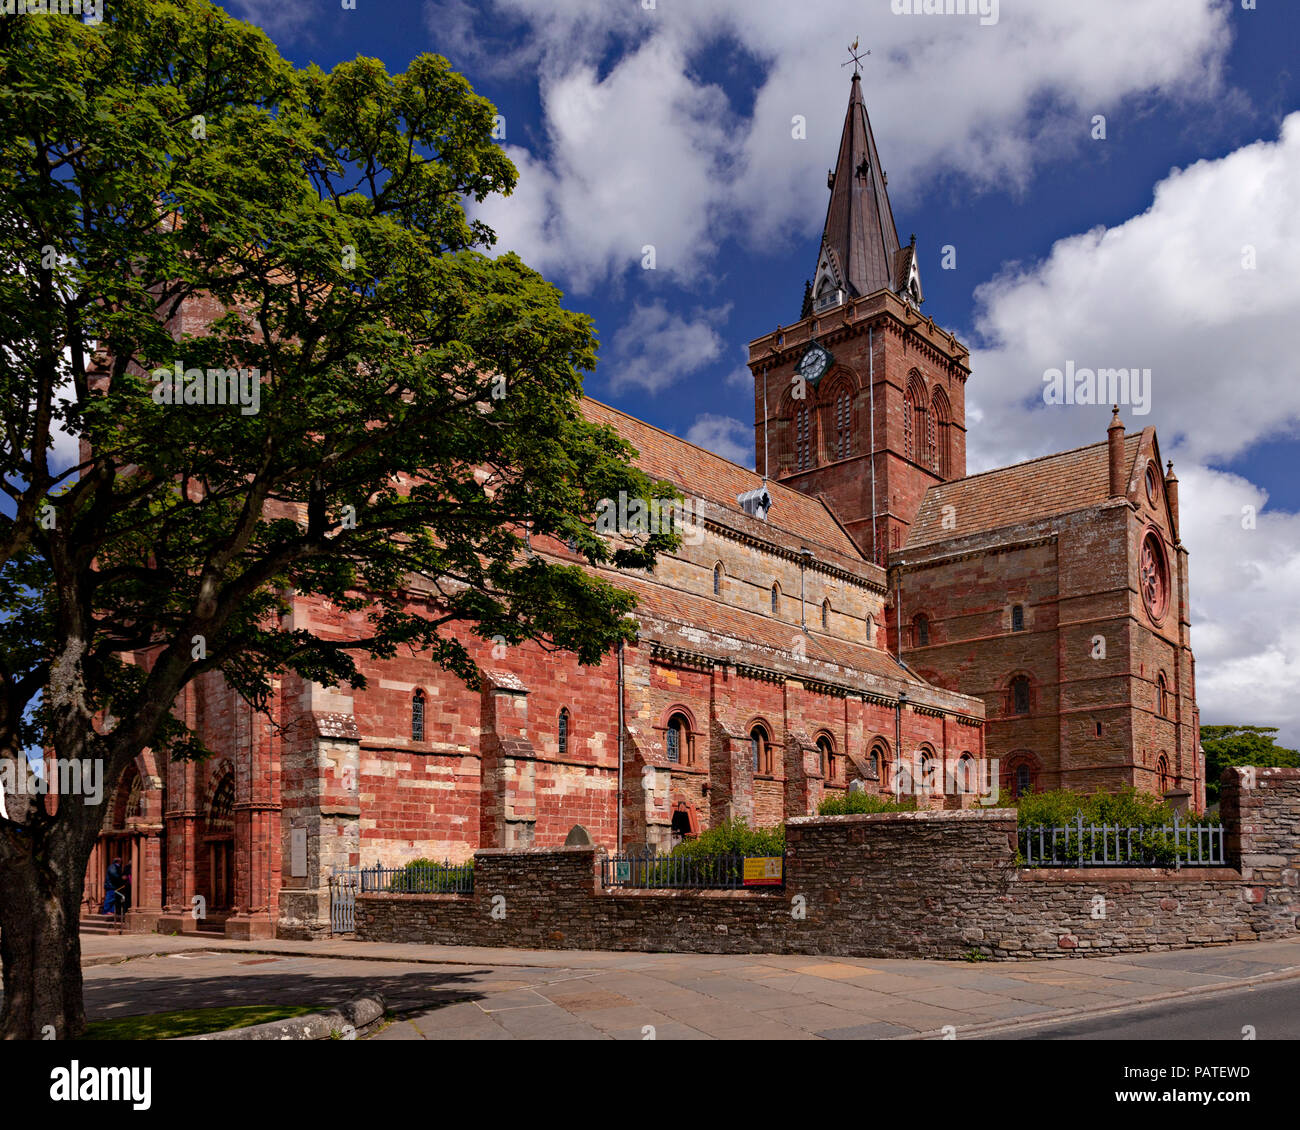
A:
[856,612]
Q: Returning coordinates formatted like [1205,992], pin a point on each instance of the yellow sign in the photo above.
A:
[765,871]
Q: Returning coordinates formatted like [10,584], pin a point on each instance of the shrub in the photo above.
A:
[1128,808]
[429,876]
[734,837]
[862,804]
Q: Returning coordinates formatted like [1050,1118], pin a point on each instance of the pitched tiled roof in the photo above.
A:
[705,626]
[1024,492]
[695,471]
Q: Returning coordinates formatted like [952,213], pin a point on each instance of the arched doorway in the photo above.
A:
[131,835]
[218,839]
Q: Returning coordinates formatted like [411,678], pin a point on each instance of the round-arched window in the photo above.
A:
[1153,483]
[1153,576]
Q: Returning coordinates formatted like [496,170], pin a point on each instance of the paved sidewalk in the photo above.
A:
[465,992]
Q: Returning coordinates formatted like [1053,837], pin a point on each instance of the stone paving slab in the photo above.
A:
[460,992]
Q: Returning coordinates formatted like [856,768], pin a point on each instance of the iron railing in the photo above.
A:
[707,872]
[419,879]
[1077,844]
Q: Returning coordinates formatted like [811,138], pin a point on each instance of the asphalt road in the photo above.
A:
[1272,1010]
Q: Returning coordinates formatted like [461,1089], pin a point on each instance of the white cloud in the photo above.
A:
[651,153]
[1167,290]
[278,17]
[656,348]
[635,168]
[724,435]
[1245,622]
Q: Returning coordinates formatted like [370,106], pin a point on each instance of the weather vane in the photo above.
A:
[857,59]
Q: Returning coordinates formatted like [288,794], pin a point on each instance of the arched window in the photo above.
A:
[827,749]
[870,626]
[802,436]
[967,779]
[920,630]
[678,740]
[940,423]
[877,759]
[760,750]
[1162,771]
[776,600]
[564,729]
[929,770]
[1017,617]
[417,716]
[826,615]
[717,579]
[1162,695]
[1024,781]
[918,423]
[1020,694]
[839,416]
[909,425]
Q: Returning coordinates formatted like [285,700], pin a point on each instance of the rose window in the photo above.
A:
[1154,577]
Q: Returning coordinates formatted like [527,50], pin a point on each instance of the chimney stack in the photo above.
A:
[1171,492]
[1115,436]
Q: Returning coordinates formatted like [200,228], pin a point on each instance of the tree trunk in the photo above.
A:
[40,946]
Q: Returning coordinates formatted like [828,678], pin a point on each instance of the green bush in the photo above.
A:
[429,877]
[734,837]
[1128,808]
[863,804]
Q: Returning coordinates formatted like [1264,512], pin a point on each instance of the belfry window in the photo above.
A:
[802,438]
[843,424]
[417,717]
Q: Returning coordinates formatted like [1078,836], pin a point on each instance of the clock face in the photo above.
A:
[814,363]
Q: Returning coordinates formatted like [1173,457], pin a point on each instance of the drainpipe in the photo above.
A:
[619,847]
[805,555]
[898,738]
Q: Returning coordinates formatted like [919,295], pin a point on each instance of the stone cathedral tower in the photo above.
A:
[863,399]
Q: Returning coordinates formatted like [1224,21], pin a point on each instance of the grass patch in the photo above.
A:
[191,1021]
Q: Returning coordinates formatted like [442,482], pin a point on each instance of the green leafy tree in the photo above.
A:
[419,407]
[1228,746]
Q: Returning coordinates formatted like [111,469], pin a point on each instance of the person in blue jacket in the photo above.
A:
[113,887]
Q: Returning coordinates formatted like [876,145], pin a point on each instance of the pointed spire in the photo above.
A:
[860,252]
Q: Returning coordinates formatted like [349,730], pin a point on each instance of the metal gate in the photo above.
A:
[343,900]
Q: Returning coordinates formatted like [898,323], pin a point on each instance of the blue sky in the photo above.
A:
[1170,244]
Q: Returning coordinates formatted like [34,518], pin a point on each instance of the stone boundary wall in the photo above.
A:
[918,884]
